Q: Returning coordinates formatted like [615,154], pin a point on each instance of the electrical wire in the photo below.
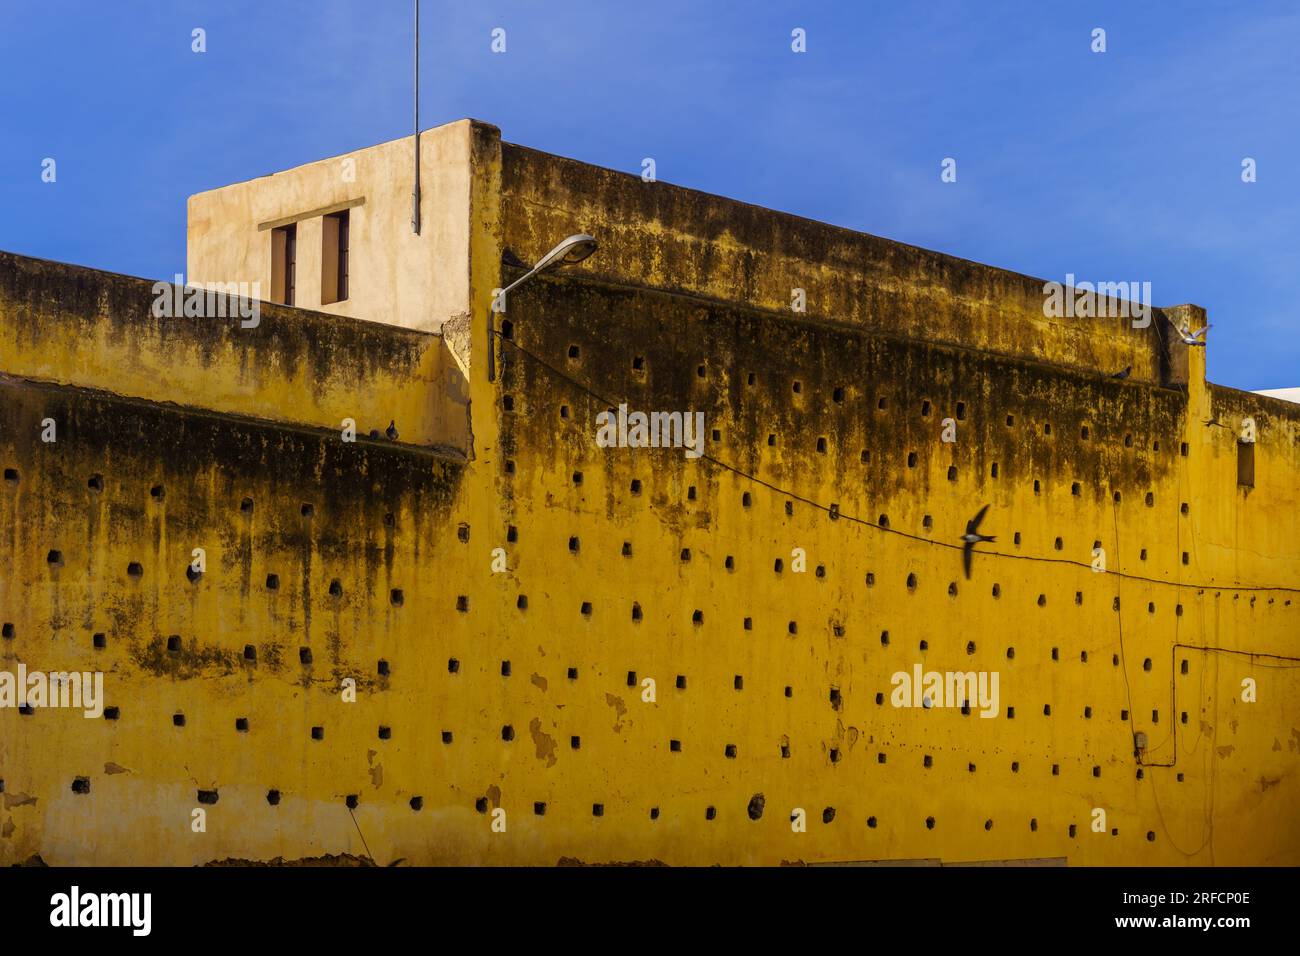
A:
[837,514]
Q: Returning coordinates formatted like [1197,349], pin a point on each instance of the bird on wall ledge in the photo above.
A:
[972,537]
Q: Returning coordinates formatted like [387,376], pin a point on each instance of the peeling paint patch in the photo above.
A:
[111,767]
[538,681]
[18,800]
[544,742]
[620,709]
[1225,751]
[851,735]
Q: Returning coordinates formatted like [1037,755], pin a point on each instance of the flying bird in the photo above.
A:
[973,537]
[391,430]
[1128,370]
[1193,338]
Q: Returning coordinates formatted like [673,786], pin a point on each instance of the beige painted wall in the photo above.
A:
[395,277]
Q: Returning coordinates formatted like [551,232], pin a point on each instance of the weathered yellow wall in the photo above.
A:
[574,532]
[73,326]
[681,240]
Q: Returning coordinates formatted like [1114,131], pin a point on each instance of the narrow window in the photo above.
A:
[284,257]
[1246,463]
[334,257]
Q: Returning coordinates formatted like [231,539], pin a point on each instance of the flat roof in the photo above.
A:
[1286,394]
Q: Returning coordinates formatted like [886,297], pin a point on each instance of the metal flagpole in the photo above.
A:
[415,206]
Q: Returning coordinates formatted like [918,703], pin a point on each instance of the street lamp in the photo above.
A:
[568,252]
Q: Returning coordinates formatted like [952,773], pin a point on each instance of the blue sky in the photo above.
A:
[1117,166]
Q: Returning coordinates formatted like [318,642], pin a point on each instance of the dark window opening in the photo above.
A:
[1246,464]
[335,229]
[284,258]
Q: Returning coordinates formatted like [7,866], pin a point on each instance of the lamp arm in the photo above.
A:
[491,324]
[521,280]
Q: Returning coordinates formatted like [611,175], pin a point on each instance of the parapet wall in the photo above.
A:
[95,330]
[675,239]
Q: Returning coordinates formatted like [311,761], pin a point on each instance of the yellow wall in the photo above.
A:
[74,326]
[681,240]
[387,516]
